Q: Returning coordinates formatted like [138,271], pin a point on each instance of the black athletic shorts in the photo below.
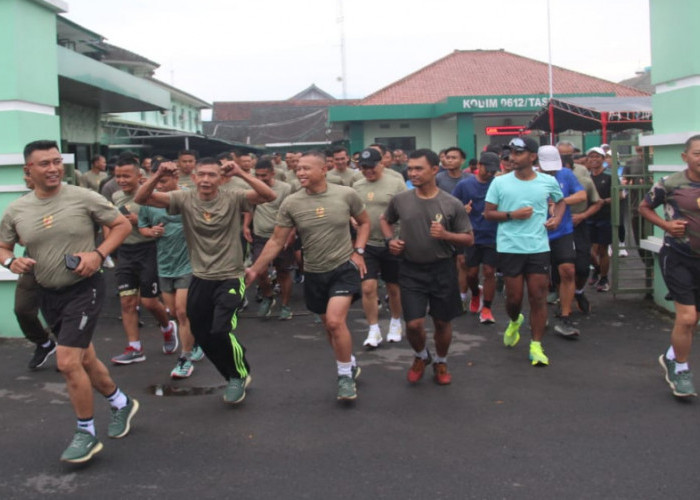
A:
[562,250]
[681,275]
[72,312]
[515,264]
[601,231]
[380,261]
[481,254]
[137,270]
[319,288]
[284,260]
[433,284]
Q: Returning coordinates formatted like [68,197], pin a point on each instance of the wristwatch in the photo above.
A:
[8,262]
[359,251]
[508,216]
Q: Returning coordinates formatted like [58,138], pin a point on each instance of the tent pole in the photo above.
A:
[604,122]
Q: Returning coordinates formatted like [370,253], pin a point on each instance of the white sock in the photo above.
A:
[580,292]
[47,344]
[167,328]
[463,296]
[87,424]
[374,328]
[395,322]
[353,361]
[438,359]
[135,345]
[422,355]
[670,354]
[681,367]
[344,369]
[117,399]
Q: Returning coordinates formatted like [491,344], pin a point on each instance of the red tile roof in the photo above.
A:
[489,72]
[243,110]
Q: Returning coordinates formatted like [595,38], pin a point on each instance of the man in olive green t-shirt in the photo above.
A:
[56,224]
[321,214]
[211,219]
[342,173]
[92,178]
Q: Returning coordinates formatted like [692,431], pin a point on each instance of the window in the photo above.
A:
[408,144]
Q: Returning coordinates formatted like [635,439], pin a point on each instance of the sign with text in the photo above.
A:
[504,103]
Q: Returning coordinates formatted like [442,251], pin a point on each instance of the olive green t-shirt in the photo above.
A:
[265,216]
[235,183]
[121,199]
[186,182]
[376,196]
[323,223]
[212,230]
[591,192]
[91,180]
[52,227]
[345,178]
[393,173]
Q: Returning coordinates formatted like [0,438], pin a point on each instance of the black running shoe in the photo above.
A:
[41,354]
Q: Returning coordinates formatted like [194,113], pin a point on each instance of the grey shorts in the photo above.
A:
[169,285]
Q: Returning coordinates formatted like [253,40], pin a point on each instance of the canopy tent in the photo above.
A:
[594,113]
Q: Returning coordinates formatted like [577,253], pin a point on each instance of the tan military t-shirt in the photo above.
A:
[212,230]
[236,183]
[323,223]
[186,182]
[591,193]
[265,216]
[91,180]
[52,227]
[345,178]
[393,173]
[376,197]
[121,199]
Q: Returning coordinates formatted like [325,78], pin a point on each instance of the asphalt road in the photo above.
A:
[599,422]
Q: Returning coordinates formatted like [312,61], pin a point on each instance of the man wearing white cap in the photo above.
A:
[561,239]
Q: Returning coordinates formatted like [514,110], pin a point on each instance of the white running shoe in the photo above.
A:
[394,334]
[374,338]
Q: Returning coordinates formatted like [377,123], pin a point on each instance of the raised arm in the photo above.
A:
[146,194]
[261,192]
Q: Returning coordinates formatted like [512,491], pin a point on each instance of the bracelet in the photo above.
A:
[100,254]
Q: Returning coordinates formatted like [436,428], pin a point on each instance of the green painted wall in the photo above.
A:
[676,111]
[674,40]
[357,136]
[28,55]
[19,127]
[465,133]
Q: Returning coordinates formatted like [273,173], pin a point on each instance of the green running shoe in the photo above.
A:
[346,388]
[183,368]
[285,313]
[512,333]
[120,420]
[537,355]
[356,370]
[235,390]
[683,384]
[265,309]
[197,353]
[669,367]
[82,448]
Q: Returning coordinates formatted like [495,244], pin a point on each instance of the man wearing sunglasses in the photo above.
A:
[519,202]
[377,190]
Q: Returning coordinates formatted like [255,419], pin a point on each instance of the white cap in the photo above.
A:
[597,150]
[549,158]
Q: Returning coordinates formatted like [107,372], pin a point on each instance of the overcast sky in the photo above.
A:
[240,50]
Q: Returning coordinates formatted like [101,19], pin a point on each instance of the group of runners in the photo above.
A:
[437,235]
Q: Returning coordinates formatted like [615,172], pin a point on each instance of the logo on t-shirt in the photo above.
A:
[438,217]
[48,221]
[207,216]
[370,196]
[320,212]
[698,202]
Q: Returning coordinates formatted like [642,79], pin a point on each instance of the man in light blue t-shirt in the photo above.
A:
[519,202]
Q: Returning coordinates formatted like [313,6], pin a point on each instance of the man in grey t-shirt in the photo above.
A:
[435,222]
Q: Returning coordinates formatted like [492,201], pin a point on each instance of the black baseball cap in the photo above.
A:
[369,157]
[490,161]
[524,144]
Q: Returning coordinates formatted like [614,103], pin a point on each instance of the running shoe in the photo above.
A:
[130,355]
[235,390]
[41,354]
[415,373]
[603,284]
[669,367]
[565,328]
[395,332]
[374,338]
[120,420]
[197,354]
[356,370]
[683,384]
[286,313]
[441,375]
[583,305]
[346,388]
[512,333]
[477,301]
[623,253]
[266,305]
[486,316]
[552,297]
[170,339]
[244,304]
[82,448]
[183,368]
[537,355]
